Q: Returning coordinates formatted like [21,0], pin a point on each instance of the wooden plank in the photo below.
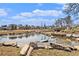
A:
[29,51]
[24,50]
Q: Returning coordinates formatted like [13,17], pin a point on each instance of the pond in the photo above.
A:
[26,38]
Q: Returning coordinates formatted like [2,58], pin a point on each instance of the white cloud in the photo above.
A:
[37,12]
[55,13]
[3,12]
[27,14]
[17,17]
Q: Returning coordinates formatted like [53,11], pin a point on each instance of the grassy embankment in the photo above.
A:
[13,51]
[53,52]
[9,51]
[4,32]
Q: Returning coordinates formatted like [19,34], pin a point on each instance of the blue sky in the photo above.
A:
[30,13]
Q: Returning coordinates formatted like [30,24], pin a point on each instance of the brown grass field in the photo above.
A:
[13,51]
[9,51]
[13,31]
[53,52]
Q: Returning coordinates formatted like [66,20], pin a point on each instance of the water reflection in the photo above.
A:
[24,38]
[12,37]
[20,36]
[27,38]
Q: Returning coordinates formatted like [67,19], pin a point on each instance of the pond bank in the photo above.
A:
[14,32]
[45,32]
[12,51]
[53,52]
[9,51]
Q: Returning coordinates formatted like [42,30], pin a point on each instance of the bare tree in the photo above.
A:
[71,8]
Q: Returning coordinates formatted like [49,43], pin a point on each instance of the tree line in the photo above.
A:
[22,27]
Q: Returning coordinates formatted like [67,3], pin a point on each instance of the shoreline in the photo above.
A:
[34,30]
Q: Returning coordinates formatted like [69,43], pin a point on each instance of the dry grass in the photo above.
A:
[53,52]
[9,51]
[13,51]
[2,32]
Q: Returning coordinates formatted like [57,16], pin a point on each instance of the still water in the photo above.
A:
[24,38]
